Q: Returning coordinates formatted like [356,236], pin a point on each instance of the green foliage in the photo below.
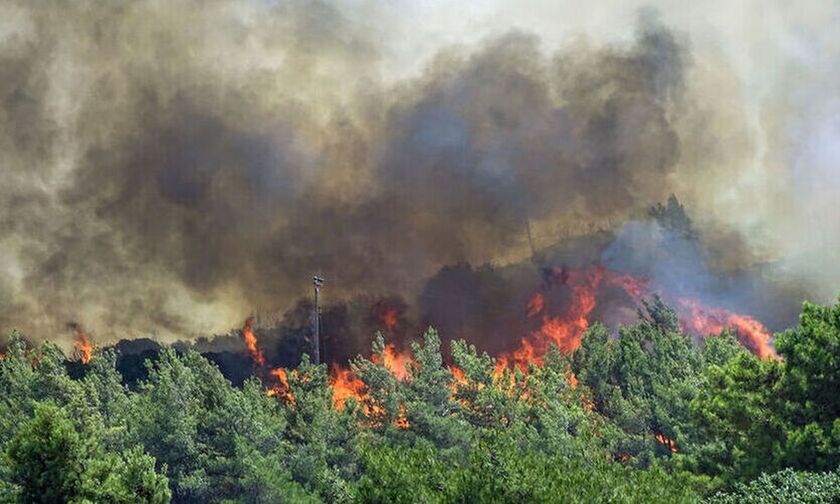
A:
[753,416]
[783,487]
[486,400]
[49,461]
[499,470]
[321,454]
[811,353]
[430,410]
[734,414]
[718,351]
[672,216]
[46,456]
[643,381]
[809,389]
[642,417]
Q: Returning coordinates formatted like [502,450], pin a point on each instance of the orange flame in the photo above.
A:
[635,287]
[712,321]
[667,442]
[397,362]
[251,341]
[564,330]
[458,378]
[387,315]
[572,379]
[389,318]
[83,347]
[282,390]
[536,304]
[458,375]
[345,385]
[402,422]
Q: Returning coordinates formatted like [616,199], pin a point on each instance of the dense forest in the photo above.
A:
[642,416]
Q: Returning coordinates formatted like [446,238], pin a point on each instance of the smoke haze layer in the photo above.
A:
[168,168]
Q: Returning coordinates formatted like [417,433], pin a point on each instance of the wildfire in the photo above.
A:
[397,362]
[572,379]
[635,287]
[402,421]
[536,304]
[251,341]
[82,346]
[282,390]
[712,321]
[667,442]
[345,385]
[458,375]
[387,315]
[564,330]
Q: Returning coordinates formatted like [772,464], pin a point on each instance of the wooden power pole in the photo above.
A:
[317,282]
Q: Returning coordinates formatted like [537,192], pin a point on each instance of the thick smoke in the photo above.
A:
[168,168]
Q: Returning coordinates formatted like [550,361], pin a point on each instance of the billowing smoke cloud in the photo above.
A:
[167,169]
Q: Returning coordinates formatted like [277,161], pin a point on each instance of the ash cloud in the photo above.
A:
[170,168]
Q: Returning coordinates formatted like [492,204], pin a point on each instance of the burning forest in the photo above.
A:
[561,253]
[516,313]
[525,319]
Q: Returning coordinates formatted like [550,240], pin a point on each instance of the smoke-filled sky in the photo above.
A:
[168,167]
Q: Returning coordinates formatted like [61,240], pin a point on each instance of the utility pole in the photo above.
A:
[316,341]
[530,239]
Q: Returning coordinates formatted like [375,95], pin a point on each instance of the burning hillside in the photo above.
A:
[516,313]
[508,195]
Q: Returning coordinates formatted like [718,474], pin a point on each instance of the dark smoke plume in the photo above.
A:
[170,168]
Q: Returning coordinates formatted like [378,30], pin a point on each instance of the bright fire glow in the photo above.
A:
[82,346]
[345,385]
[667,442]
[706,321]
[397,362]
[387,315]
[564,329]
[251,341]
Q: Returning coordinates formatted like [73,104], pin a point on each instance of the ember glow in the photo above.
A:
[536,304]
[345,384]
[563,330]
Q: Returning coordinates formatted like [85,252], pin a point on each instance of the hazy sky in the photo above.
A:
[776,62]
[167,166]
